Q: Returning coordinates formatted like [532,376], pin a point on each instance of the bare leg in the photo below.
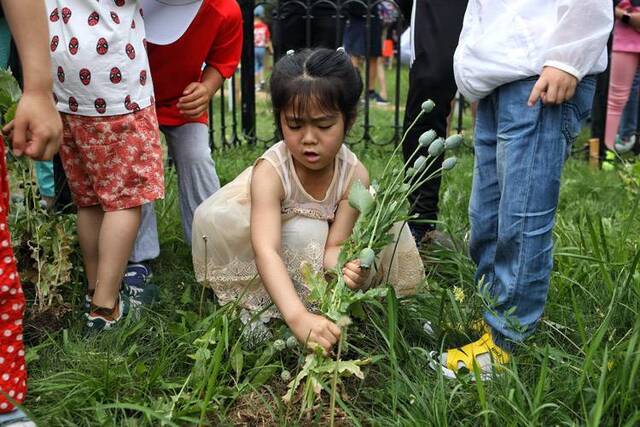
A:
[117,234]
[373,72]
[382,81]
[89,223]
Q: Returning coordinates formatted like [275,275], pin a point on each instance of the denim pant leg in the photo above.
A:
[529,156]
[485,193]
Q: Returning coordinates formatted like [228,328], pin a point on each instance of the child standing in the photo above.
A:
[535,85]
[261,44]
[36,132]
[182,36]
[291,207]
[111,144]
[625,61]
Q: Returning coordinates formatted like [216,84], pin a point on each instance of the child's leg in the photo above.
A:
[531,146]
[146,246]
[89,224]
[197,178]
[485,192]
[117,234]
[623,70]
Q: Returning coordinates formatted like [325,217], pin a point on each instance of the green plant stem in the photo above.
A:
[334,384]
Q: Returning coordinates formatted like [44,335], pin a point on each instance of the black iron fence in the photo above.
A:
[313,23]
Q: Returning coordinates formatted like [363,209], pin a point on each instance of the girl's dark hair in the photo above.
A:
[316,77]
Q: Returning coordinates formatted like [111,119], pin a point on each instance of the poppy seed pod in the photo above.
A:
[449,163]
[427,138]
[436,148]
[410,172]
[278,345]
[366,258]
[292,342]
[420,163]
[428,106]
[453,141]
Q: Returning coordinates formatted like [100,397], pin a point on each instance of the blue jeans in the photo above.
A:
[519,155]
[629,120]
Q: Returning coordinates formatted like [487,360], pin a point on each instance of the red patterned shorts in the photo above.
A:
[113,161]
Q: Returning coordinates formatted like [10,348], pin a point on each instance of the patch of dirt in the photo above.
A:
[258,408]
[39,323]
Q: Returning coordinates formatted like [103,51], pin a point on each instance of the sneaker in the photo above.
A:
[102,318]
[16,418]
[624,146]
[375,96]
[483,354]
[137,274]
[135,283]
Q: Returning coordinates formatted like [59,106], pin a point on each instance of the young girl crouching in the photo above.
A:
[290,208]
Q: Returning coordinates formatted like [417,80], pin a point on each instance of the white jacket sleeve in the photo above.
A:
[581,34]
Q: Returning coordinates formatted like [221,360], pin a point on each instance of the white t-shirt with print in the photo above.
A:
[99,59]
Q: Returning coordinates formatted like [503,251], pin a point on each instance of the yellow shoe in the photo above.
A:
[484,353]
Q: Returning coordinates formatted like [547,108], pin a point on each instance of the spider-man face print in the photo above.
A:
[131,52]
[102,46]
[101,105]
[143,77]
[115,17]
[73,46]
[133,24]
[94,18]
[60,74]
[54,16]
[73,104]
[115,75]
[127,102]
[85,76]
[134,107]
[66,14]
[119,3]
[54,43]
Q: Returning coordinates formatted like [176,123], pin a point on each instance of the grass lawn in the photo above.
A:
[188,361]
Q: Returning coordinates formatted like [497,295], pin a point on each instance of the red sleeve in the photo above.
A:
[224,54]
[267,34]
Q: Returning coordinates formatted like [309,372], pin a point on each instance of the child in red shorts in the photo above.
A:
[35,132]
[111,143]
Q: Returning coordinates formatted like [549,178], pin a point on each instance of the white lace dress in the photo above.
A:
[223,256]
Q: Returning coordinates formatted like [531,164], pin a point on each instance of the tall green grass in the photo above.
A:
[177,367]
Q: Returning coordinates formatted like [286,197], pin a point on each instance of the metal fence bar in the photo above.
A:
[278,13]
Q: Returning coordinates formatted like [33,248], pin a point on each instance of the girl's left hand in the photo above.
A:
[354,276]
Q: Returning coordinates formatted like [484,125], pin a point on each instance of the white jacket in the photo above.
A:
[507,40]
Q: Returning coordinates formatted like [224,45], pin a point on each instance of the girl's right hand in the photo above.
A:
[314,330]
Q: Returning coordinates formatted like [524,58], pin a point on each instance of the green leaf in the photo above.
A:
[11,113]
[237,360]
[360,198]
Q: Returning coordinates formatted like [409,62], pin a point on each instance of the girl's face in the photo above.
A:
[314,138]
